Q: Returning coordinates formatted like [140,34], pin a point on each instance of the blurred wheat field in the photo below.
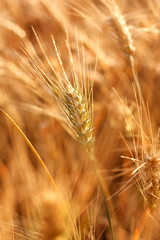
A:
[113,45]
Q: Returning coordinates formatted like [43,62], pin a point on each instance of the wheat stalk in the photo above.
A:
[75,101]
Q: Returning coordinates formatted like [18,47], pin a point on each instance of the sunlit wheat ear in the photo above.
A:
[120,27]
[74,96]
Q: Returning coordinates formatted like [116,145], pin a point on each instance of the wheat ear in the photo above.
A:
[120,27]
[75,100]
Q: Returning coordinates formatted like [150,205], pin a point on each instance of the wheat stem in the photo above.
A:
[103,194]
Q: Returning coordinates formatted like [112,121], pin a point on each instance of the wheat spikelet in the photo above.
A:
[75,100]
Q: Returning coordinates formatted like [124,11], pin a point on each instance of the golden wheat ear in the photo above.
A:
[30,146]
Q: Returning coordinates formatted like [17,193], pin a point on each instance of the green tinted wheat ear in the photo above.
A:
[74,95]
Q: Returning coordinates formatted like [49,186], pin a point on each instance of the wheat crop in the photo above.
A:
[88,71]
